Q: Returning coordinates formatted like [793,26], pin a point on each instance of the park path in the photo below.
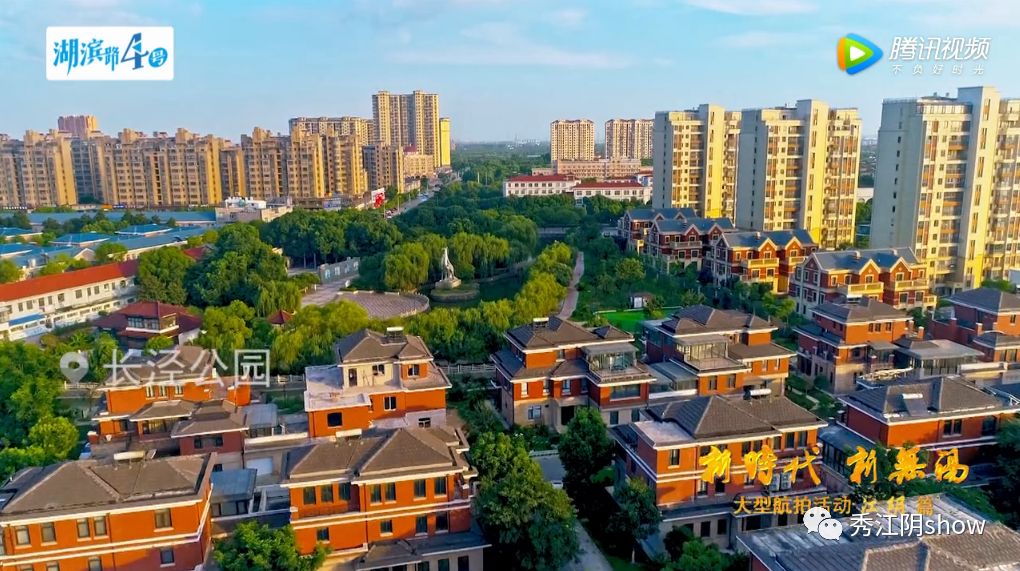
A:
[589,558]
[570,302]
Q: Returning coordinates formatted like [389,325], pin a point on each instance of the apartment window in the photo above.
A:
[424,422]
[308,496]
[376,494]
[745,448]
[463,563]
[439,486]
[379,369]
[390,403]
[706,528]
[421,524]
[566,388]
[442,521]
[414,370]
[614,418]
[702,488]
[988,426]
[391,492]
[217,441]
[95,564]
[322,534]
[150,391]
[731,381]
[713,384]
[326,494]
[198,443]
[423,566]
[49,535]
[352,377]
[345,491]
[99,526]
[790,436]
[419,488]
[334,419]
[386,527]
[21,535]
[952,427]
[674,457]
[53,566]
[163,519]
[166,556]
[534,412]
[802,439]
[635,415]
[83,528]
[444,565]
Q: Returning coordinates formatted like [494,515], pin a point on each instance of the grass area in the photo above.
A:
[623,565]
[287,404]
[628,320]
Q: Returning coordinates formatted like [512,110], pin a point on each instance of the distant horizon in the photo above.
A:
[503,70]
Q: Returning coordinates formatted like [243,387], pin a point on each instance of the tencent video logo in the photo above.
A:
[855,54]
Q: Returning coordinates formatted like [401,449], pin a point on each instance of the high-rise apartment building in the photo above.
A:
[694,158]
[344,167]
[304,165]
[36,171]
[385,166]
[572,140]
[161,170]
[947,184]
[409,120]
[797,167]
[629,138]
[78,126]
[232,174]
[88,167]
[284,165]
[444,142]
[358,126]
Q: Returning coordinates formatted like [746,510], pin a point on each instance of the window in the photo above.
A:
[442,521]
[379,369]
[706,528]
[389,403]
[702,488]
[95,564]
[424,422]
[166,556]
[952,427]
[439,486]
[463,563]
[308,496]
[83,528]
[414,370]
[345,491]
[423,566]
[391,492]
[722,526]
[802,439]
[566,388]
[386,527]
[535,412]
[198,443]
[21,535]
[713,384]
[376,494]
[419,488]
[334,419]
[352,377]
[99,526]
[635,414]
[988,426]
[524,389]
[614,418]
[731,381]
[217,441]
[421,524]
[790,439]
[444,565]
[53,566]
[326,494]
[163,518]
[49,535]
[745,448]
[674,457]
[322,534]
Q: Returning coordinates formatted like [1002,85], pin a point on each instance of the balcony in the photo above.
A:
[758,263]
[858,290]
[910,284]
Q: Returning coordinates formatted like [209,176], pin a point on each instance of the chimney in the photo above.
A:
[857,254]
[979,328]
[539,322]
[920,332]
[395,335]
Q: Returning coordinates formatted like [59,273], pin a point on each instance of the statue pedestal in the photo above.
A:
[448,283]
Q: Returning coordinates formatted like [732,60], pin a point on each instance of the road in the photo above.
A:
[570,302]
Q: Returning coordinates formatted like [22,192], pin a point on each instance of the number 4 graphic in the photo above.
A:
[133,51]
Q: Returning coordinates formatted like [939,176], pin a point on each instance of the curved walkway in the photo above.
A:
[570,302]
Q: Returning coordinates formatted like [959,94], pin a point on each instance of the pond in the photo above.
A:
[504,287]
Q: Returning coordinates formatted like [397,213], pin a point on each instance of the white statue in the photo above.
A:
[449,280]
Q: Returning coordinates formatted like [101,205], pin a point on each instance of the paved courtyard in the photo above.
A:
[385,305]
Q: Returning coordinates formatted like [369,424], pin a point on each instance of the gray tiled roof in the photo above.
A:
[885,258]
[561,332]
[376,453]
[648,214]
[771,350]
[704,319]
[84,484]
[709,417]
[997,339]
[368,345]
[939,396]
[209,418]
[990,299]
[777,411]
[867,310]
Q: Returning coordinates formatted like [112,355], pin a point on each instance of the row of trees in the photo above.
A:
[331,236]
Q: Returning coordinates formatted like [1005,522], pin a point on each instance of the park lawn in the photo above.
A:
[629,321]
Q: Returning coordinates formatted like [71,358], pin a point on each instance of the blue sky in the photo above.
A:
[503,68]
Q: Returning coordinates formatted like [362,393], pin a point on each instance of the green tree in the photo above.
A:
[308,337]
[9,271]
[56,436]
[236,268]
[161,275]
[406,268]
[226,329]
[638,516]
[1001,285]
[256,547]
[630,270]
[158,343]
[698,556]
[60,264]
[585,448]
[110,252]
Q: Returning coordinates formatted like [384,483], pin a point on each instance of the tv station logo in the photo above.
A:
[855,54]
[109,53]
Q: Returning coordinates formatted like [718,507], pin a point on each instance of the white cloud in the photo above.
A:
[759,39]
[953,15]
[568,17]
[502,44]
[755,7]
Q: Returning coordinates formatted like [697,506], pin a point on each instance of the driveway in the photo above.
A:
[589,558]
[570,302]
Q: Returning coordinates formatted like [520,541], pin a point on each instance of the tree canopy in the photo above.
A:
[256,547]
[161,275]
[237,267]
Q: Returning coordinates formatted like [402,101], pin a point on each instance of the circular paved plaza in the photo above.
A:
[386,305]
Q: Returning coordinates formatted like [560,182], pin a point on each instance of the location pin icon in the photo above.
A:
[74,365]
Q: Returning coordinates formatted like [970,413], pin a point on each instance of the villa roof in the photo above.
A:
[989,299]
[866,310]
[697,319]
[368,345]
[930,398]
[853,260]
[556,332]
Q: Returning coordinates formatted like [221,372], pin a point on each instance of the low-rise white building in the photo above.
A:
[539,185]
[614,189]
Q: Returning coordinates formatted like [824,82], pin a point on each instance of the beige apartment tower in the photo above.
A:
[444,142]
[694,160]
[797,167]
[360,127]
[77,126]
[164,171]
[629,139]
[947,184]
[408,120]
[385,166]
[232,179]
[36,171]
[572,140]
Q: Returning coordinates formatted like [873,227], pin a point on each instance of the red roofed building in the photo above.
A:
[35,306]
[138,322]
[539,185]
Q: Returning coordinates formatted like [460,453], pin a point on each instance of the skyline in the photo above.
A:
[521,63]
